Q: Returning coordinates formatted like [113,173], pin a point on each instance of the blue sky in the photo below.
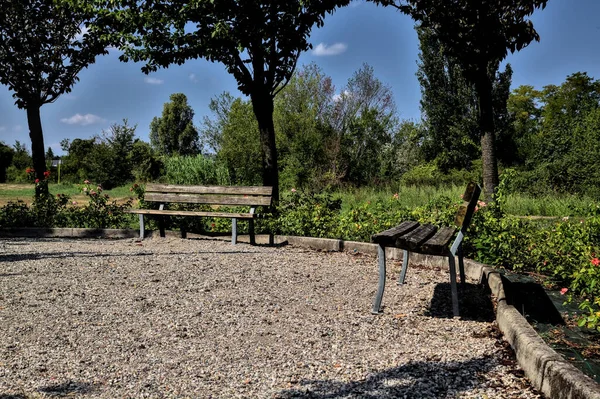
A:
[110,91]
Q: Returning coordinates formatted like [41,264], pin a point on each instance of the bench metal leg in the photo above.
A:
[161,221]
[405,256]
[233,231]
[453,289]
[461,268]
[141,226]
[251,232]
[161,226]
[381,287]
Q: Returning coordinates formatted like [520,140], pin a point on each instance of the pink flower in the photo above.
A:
[396,196]
[293,190]
[595,261]
[74,202]
[86,182]
[563,291]
[85,189]
[37,180]
[92,192]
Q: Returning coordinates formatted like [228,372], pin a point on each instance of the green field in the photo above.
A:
[24,192]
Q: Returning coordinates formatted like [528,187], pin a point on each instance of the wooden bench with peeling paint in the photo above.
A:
[428,240]
[215,196]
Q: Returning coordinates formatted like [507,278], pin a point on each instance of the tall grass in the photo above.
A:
[409,196]
[198,170]
[517,204]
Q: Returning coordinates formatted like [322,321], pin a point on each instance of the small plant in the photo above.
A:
[100,211]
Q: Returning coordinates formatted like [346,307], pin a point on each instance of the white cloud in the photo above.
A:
[83,120]
[193,77]
[153,81]
[338,97]
[322,49]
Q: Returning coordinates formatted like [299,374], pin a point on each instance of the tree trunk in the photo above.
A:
[262,104]
[38,153]
[488,139]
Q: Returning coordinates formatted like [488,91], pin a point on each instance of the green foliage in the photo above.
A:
[301,116]
[112,158]
[559,135]
[240,144]
[174,132]
[16,214]
[6,158]
[428,175]
[198,170]
[312,215]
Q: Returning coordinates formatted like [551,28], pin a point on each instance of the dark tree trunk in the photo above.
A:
[38,153]
[262,104]
[488,138]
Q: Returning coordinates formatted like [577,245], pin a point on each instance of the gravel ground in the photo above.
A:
[205,319]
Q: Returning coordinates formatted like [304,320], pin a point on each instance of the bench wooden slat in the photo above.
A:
[438,244]
[230,190]
[415,238]
[389,237]
[207,199]
[192,213]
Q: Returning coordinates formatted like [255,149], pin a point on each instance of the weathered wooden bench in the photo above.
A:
[216,196]
[429,240]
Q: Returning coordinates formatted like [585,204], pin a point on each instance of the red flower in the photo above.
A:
[37,180]
[595,261]
[47,174]
[29,170]
[563,291]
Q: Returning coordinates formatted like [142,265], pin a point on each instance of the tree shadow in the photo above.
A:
[69,388]
[413,380]
[64,255]
[474,302]
[12,396]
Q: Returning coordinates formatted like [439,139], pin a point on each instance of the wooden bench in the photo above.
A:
[429,240]
[216,196]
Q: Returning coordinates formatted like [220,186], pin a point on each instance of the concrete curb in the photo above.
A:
[547,370]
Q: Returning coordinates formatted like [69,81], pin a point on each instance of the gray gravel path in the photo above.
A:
[205,319]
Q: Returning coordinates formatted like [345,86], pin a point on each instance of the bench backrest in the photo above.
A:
[211,195]
[467,208]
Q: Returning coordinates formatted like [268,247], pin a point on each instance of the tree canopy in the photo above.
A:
[44,44]
[174,132]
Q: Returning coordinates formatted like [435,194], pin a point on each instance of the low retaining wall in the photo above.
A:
[548,371]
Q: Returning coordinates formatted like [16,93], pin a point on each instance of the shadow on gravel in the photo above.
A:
[10,396]
[428,379]
[69,388]
[63,255]
[473,300]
